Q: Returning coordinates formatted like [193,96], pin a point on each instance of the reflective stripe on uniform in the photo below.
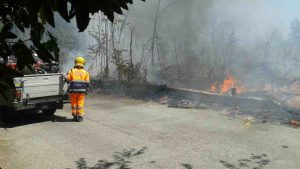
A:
[81,81]
[77,90]
[77,101]
[77,107]
[80,109]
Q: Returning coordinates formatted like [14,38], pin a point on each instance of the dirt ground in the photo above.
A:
[122,132]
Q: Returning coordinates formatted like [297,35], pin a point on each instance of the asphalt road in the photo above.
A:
[120,132]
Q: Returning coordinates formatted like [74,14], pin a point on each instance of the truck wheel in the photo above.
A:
[49,112]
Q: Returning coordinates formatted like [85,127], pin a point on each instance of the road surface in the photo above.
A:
[121,132]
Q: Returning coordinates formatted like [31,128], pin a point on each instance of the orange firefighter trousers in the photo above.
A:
[77,103]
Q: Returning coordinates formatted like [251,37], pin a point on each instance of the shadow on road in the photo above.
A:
[121,160]
[187,166]
[254,161]
[32,117]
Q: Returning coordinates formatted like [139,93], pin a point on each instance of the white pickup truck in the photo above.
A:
[44,92]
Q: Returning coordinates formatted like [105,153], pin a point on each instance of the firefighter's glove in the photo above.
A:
[66,80]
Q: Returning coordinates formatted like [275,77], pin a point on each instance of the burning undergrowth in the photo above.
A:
[229,86]
[242,88]
[262,110]
[284,94]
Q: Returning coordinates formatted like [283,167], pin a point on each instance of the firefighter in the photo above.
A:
[78,79]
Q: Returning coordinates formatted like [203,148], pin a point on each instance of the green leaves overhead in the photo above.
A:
[10,35]
[22,19]
[44,54]
[5,33]
[32,15]
[47,51]
[81,9]
[61,6]
[6,28]
[52,46]
[23,54]
[36,33]
[46,14]
[32,7]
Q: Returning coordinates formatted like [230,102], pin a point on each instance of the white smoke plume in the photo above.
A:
[249,39]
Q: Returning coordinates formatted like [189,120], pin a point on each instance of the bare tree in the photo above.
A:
[155,37]
[99,50]
[227,53]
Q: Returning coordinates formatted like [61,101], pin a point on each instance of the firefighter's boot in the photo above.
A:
[79,118]
[75,118]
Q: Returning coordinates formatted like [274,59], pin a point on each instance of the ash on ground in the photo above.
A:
[260,110]
[260,115]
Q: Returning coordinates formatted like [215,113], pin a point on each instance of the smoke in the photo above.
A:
[177,19]
[71,43]
[203,41]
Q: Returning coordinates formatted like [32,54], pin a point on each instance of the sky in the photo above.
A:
[251,19]
[288,9]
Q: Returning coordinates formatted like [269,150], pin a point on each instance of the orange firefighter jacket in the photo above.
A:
[79,80]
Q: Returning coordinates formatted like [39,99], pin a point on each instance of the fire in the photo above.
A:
[232,86]
[228,83]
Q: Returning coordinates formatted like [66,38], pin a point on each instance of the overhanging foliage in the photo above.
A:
[31,16]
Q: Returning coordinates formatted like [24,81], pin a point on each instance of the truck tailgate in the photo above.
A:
[41,85]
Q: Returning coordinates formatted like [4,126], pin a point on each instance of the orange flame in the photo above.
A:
[228,84]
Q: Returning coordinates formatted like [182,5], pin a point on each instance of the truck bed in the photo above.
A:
[40,85]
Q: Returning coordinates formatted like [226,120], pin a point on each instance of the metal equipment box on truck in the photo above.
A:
[39,92]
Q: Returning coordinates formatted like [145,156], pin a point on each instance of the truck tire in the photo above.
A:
[49,112]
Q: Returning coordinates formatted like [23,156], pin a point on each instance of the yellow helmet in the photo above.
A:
[79,61]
